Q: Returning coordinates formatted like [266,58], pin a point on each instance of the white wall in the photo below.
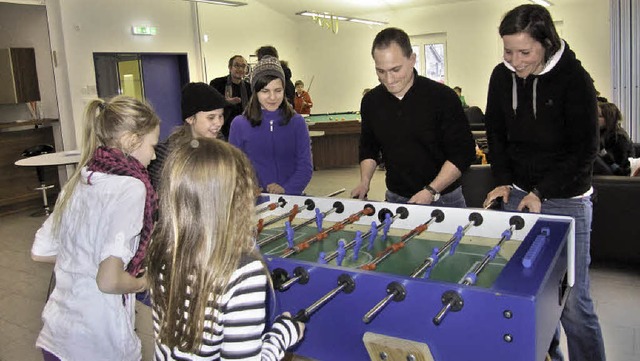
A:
[242,30]
[340,64]
[83,27]
[343,66]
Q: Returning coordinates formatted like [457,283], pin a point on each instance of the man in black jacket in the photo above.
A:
[235,89]
[419,127]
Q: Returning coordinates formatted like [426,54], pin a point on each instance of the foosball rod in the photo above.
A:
[366,211]
[335,193]
[271,206]
[308,205]
[338,207]
[346,284]
[396,292]
[453,297]
[401,212]
[300,275]
[475,220]
[436,216]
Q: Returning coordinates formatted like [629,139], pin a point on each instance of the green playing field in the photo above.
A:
[450,268]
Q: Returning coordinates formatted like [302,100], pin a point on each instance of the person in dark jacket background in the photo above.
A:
[236,90]
[615,145]
[542,127]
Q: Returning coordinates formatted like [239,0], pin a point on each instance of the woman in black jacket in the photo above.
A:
[542,128]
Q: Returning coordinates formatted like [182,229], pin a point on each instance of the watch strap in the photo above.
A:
[434,192]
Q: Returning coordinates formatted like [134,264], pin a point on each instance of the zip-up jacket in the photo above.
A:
[543,129]
[279,153]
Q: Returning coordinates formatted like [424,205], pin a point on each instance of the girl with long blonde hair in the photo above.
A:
[208,283]
[97,237]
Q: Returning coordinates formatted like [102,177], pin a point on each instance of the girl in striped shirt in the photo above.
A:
[208,283]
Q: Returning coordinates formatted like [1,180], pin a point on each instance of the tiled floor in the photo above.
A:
[23,285]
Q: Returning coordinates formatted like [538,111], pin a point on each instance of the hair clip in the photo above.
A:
[194,143]
[102,106]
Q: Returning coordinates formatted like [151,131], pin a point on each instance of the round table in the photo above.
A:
[58,158]
[49,159]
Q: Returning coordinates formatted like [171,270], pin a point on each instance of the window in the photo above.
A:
[431,55]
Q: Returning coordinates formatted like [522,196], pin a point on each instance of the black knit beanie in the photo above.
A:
[200,97]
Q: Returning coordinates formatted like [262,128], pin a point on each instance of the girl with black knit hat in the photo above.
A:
[203,116]
[272,135]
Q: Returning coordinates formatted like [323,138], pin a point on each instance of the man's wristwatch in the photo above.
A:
[434,193]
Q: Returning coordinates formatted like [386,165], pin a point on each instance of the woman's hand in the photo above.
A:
[532,202]
[275,188]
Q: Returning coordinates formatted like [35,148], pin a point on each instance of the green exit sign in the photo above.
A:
[144,30]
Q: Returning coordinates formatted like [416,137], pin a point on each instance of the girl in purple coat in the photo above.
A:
[272,135]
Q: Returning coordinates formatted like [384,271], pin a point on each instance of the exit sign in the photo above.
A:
[144,30]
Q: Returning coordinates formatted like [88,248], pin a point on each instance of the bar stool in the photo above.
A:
[32,152]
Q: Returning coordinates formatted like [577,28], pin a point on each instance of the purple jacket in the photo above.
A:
[279,153]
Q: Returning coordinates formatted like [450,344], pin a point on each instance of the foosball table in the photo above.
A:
[385,281]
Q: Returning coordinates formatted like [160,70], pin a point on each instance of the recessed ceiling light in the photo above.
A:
[221,2]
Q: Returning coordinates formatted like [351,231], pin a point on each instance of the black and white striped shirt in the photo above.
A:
[235,329]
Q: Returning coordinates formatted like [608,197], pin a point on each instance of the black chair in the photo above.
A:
[32,152]
[475,116]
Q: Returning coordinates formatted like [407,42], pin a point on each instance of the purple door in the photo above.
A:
[163,78]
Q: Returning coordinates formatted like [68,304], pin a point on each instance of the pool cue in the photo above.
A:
[310,83]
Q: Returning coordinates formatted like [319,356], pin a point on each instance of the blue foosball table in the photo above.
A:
[384,281]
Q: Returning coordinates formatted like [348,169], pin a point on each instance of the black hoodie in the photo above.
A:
[543,133]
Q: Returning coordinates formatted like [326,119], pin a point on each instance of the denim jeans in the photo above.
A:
[579,320]
[454,198]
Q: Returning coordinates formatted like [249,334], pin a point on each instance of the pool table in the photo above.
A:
[338,144]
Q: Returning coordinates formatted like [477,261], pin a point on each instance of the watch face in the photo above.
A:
[436,197]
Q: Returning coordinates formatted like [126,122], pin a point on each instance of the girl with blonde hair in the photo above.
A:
[97,237]
[208,283]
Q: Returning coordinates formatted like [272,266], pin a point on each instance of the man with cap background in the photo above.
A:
[203,117]
[272,135]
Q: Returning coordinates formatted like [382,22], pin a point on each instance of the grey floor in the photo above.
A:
[23,285]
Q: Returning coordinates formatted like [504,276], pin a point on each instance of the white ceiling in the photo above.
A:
[345,7]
